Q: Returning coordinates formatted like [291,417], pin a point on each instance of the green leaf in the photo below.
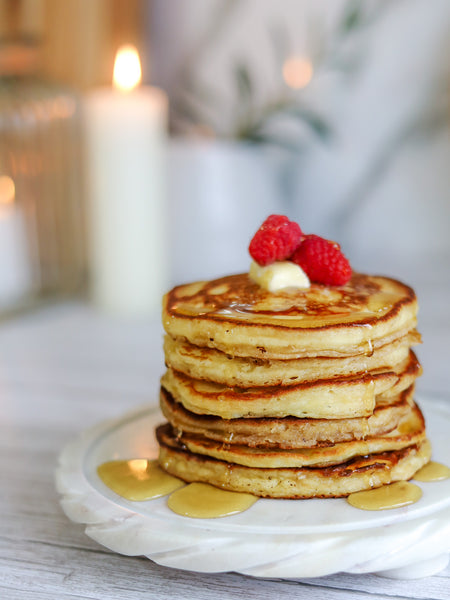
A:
[352,17]
[244,82]
[305,115]
[261,138]
[318,126]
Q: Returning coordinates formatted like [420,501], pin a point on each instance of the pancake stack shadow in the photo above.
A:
[294,394]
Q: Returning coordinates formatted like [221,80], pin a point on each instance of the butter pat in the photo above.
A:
[279,275]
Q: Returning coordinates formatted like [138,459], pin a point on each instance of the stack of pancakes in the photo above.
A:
[293,394]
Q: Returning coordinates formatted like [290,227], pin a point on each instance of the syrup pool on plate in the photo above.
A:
[204,501]
[138,479]
[433,471]
[394,495]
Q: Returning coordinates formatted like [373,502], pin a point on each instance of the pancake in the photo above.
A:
[339,398]
[236,316]
[296,393]
[214,365]
[287,432]
[407,372]
[360,473]
[411,430]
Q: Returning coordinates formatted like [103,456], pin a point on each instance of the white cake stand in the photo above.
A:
[287,539]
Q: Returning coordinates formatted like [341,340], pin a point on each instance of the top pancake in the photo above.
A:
[235,315]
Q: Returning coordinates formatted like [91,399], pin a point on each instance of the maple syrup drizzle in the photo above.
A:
[138,479]
[433,471]
[237,297]
[394,495]
[204,501]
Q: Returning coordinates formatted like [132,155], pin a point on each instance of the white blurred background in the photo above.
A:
[375,176]
[336,114]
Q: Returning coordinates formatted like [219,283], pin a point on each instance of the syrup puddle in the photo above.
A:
[204,501]
[400,493]
[141,479]
[138,479]
[433,471]
[394,495]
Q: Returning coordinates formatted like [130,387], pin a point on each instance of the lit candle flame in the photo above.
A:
[127,69]
[297,72]
[7,190]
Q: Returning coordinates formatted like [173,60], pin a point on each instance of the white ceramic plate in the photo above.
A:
[274,538]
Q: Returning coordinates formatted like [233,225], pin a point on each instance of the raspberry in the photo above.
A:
[276,239]
[322,260]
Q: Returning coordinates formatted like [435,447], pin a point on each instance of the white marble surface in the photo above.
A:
[65,369]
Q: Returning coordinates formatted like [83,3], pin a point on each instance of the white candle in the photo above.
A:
[125,148]
[15,267]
